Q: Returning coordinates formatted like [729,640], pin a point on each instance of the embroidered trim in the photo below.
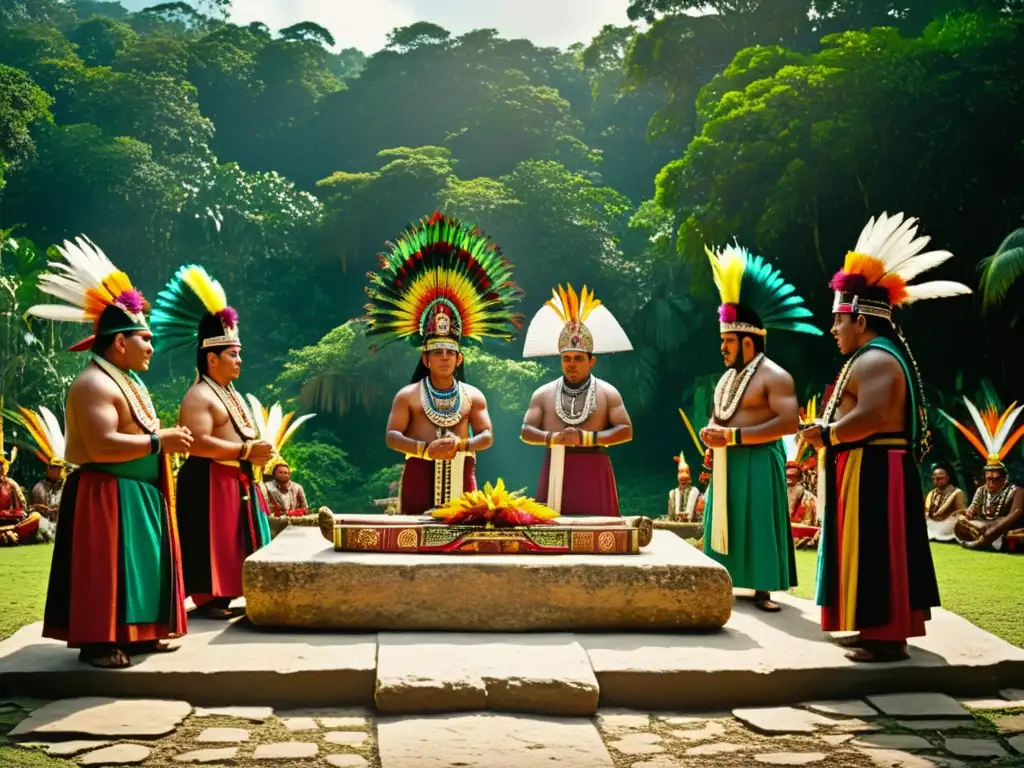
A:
[241,418]
[135,392]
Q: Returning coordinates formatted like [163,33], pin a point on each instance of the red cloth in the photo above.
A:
[82,600]
[10,511]
[588,483]
[416,491]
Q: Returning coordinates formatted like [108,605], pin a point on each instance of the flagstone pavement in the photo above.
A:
[888,731]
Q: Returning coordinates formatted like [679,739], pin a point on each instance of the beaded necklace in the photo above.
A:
[134,391]
[996,502]
[444,408]
[243,421]
[731,387]
[564,392]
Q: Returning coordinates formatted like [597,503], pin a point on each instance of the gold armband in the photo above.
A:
[731,437]
[246,450]
[463,445]
[589,439]
[421,449]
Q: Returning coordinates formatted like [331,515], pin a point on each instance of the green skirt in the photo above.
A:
[761,553]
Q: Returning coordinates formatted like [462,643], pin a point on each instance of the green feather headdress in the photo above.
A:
[192,310]
[755,297]
[441,283]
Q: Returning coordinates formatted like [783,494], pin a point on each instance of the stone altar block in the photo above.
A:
[299,581]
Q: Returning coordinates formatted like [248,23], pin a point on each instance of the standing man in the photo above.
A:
[578,416]
[875,571]
[442,284]
[746,522]
[115,580]
[223,513]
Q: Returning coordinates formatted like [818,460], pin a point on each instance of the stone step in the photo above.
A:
[758,659]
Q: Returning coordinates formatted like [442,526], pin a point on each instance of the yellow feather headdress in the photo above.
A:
[275,427]
[992,437]
[876,274]
[46,433]
[192,309]
[568,323]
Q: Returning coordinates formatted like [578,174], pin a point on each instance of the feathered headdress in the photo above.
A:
[275,427]
[991,436]
[571,323]
[800,454]
[754,295]
[96,292]
[46,432]
[6,461]
[442,283]
[192,310]
[875,276]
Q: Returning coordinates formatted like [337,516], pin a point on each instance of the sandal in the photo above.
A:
[849,642]
[105,658]
[153,646]
[878,652]
[763,601]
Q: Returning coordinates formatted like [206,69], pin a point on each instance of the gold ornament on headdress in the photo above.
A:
[571,323]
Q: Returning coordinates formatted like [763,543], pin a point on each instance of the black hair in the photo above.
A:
[101,344]
[757,340]
[202,362]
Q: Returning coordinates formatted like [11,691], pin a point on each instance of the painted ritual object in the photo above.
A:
[491,521]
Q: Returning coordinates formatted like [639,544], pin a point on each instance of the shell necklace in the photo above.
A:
[731,387]
[564,392]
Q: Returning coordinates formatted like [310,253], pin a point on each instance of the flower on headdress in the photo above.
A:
[727,313]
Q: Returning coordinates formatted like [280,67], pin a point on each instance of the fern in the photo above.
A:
[1002,269]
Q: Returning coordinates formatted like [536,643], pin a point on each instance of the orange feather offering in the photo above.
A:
[495,507]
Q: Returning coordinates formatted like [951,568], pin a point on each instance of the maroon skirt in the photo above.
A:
[588,484]
[416,492]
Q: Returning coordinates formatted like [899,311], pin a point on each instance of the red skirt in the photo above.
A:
[588,484]
[416,491]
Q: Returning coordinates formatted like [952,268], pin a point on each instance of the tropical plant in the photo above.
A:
[1001,270]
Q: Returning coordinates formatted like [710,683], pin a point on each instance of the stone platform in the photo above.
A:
[758,659]
[300,581]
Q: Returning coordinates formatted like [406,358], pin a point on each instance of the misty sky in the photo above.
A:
[364,24]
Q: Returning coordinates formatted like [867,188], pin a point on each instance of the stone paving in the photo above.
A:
[894,731]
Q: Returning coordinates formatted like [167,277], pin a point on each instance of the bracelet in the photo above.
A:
[246,450]
[589,439]
[730,437]
[548,436]
[463,446]
[154,443]
[828,435]
[421,448]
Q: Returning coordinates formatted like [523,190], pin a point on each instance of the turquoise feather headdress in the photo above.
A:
[192,309]
[754,295]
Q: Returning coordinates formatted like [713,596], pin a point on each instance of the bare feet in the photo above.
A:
[105,658]
[763,601]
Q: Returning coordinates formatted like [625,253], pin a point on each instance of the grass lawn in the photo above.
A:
[976,585]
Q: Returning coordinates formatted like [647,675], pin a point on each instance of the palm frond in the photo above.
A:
[1002,269]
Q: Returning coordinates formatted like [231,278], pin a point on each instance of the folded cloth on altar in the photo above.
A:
[116,574]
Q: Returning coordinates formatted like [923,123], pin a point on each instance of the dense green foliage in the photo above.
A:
[169,135]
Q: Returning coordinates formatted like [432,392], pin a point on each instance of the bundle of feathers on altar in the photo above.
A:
[495,507]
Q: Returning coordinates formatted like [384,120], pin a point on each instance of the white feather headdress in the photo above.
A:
[95,292]
[46,432]
[275,427]
[568,322]
[993,437]
[877,272]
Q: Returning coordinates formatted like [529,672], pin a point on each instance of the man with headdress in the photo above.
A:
[284,495]
[223,515]
[943,504]
[685,501]
[746,521]
[578,416]
[875,571]
[48,436]
[442,285]
[115,579]
[995,513]
[15,523]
